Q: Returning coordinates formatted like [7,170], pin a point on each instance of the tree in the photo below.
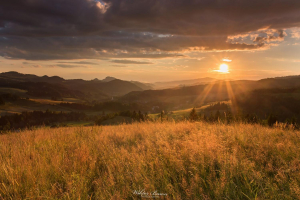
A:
[205,118]
[162,114]
[251,118]
[272,119]
[193,115]
[228,117]
[146,116]
[218,116]
[292,121]
[2,101]
[140,116]
[7,126]
[211,117]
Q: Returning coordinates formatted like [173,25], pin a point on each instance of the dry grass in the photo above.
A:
[184,160]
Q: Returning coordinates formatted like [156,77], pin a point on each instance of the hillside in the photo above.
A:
[45,86]
[217,91]
[178,160]
[172,84]
[214,91]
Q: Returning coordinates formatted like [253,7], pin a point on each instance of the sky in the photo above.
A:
[151,40]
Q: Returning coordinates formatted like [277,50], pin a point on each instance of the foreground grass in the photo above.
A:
[184,160]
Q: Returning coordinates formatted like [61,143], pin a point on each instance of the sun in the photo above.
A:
[223,68]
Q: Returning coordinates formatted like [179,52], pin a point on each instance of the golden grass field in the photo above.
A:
[183,160]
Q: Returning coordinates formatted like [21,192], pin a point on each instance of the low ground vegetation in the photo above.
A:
[184,160]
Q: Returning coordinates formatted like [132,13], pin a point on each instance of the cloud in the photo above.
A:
[130,62]
[37,66]
[32,66]
[262,37]
[122,66]
[66,66]
[79,63]
[295,33]
[102,48]
[226,60]
[93,29]
[284,60]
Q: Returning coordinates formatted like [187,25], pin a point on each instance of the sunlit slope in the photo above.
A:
[184,160]
[184,113]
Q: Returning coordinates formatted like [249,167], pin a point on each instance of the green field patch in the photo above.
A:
[23,105]
[179,114]
[15,91]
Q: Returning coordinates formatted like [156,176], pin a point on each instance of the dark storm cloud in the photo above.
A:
[98,47]
[85,29]
[130,62]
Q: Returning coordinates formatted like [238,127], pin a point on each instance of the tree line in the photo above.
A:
[38,118]
[135,116]
[229,117]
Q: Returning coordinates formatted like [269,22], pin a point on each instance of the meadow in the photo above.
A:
[180,160]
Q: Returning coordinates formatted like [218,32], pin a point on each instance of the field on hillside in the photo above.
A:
[177,160]
[34,104]
[15,91]
[180,114]
[20,106]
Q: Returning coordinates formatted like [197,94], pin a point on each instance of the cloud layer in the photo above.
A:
[83,29]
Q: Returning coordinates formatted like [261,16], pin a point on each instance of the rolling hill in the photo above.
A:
[46,86]
[180,83]
[215,91]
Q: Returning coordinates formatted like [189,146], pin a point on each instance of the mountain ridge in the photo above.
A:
[92,89]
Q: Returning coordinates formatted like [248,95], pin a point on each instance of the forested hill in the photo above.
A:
[215,91]
[45,86]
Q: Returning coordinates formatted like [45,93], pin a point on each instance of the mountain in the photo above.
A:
[56,86]
[108,79]
[213,91]
[144,86]
[280,82]
[173,84]
[115,87]
[216,90]
[15,76]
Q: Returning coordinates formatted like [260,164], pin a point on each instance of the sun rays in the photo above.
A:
[223,68]
[217,90]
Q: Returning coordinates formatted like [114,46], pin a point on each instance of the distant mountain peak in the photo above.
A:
[11,72]
[109,78]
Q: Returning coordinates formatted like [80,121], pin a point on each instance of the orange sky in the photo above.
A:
[145,41]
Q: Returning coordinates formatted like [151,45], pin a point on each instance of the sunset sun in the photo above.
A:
[223,68]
